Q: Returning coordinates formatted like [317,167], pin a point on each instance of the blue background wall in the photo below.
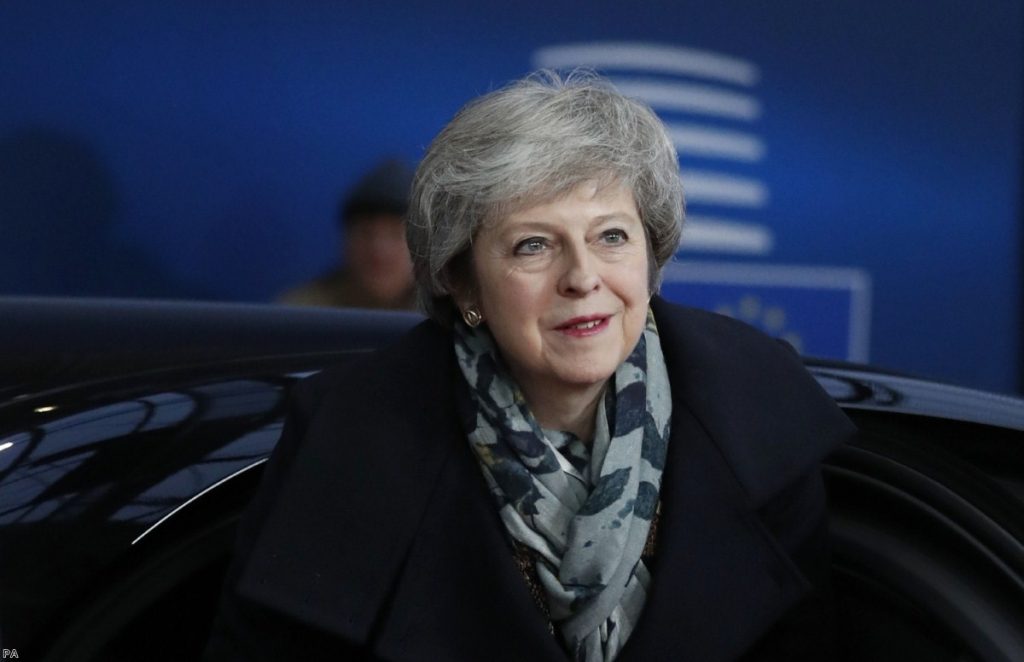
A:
[199,148]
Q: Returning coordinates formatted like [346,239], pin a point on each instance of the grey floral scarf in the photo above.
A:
[585,512]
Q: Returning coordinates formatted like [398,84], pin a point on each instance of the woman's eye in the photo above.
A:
[531,246]
[614,237]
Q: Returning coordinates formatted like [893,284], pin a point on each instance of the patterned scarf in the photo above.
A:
[585,512]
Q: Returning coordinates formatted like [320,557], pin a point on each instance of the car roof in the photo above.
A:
[49,342]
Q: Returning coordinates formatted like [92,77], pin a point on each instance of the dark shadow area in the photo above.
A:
[58,205]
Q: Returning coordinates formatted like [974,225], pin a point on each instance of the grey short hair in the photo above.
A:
[527,143]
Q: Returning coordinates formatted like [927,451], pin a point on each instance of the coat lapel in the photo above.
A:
[344,518]
[385,533]
[460,595]
[719,580]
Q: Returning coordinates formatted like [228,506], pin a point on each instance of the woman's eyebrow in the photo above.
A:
[539,225]
[615,216]
[528,225]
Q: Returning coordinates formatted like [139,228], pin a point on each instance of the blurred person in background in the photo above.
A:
[375,269]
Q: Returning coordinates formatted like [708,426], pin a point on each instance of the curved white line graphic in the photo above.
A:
[686,97]
[696,140]
[701,186]
[650,57]
[720,235]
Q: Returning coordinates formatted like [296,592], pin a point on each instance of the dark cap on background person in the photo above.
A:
[383,190]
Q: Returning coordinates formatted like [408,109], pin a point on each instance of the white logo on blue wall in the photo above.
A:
[708,103]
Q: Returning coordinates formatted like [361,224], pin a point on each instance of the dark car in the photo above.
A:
[132,435]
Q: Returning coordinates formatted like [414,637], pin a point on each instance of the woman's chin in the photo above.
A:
[584,378]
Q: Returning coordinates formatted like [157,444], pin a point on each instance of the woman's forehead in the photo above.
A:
[588,189]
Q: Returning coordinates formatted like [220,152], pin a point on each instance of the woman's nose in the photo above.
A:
[579,276]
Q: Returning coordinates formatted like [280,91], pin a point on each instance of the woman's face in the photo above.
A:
[563,287]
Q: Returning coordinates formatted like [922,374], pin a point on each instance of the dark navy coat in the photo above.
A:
[373,533]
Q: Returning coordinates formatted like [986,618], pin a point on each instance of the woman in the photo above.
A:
[557,464]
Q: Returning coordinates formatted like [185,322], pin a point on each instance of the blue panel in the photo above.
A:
[201,147]
[822,312]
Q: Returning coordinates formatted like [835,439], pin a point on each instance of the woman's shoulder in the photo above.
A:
[414,362]
[705,331]
[369,405]
[361,448]
[380,402]
[769,417]
[721,348]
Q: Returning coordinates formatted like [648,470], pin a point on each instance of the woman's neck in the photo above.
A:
[570,411]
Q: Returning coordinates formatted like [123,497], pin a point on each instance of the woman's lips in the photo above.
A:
[580,327]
